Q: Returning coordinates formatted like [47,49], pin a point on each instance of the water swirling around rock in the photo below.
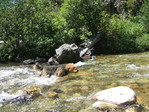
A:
[73,92]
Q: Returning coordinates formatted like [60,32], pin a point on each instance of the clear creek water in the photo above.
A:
[75,90]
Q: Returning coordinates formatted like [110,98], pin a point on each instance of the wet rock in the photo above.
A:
[18,98]
[37,67]
[118,95]
[68,53]
[32,61]
[21,100]
[104,105]
[52,61]
[133,109]
[29,61]
[32,91]
[51,94]
[57,90]
[140,100]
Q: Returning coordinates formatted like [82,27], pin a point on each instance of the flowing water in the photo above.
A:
[73,93]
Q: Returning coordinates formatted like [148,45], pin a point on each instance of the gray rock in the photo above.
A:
[52,61]
[29,61]
[68,53]
[118,95]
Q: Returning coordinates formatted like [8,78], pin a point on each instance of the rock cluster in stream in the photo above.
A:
[66,53]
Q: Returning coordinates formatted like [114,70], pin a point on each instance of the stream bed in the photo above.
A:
[73,92]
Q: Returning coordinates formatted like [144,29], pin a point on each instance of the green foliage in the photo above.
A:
[143,42]
[83,18]
[144,13]
[122,35]
[27,30]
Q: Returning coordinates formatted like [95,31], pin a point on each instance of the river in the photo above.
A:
[73,92]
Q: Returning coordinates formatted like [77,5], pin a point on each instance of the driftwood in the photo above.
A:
[88,50]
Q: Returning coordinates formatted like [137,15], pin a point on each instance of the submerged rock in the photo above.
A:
[32,91]
[132,110]
[21,100]
[51,94]
[117,95]
[14,98]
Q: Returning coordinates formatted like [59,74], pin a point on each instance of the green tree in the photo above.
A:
[27,30]
[82,18]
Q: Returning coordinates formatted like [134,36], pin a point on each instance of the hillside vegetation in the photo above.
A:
[35,28]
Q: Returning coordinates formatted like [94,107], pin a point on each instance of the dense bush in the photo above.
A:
[143,42]
[121,36]
[83,18]
[144,13]
[27,30]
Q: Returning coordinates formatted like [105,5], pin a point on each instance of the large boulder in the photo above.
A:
[68,53]
[118,95]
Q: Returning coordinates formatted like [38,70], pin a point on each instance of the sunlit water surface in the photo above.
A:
[75,90]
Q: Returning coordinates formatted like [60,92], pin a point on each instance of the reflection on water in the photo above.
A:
[74,90]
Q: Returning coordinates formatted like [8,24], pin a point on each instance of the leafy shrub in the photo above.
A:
[144,13]
[82,18]
[27,30]
[121,36]
[143,42]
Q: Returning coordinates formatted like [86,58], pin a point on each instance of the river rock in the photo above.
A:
[32,92]
[51,94]
[104,105]
[68,53]
[52,61]
[132,110]
[118,95]
[29,61]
